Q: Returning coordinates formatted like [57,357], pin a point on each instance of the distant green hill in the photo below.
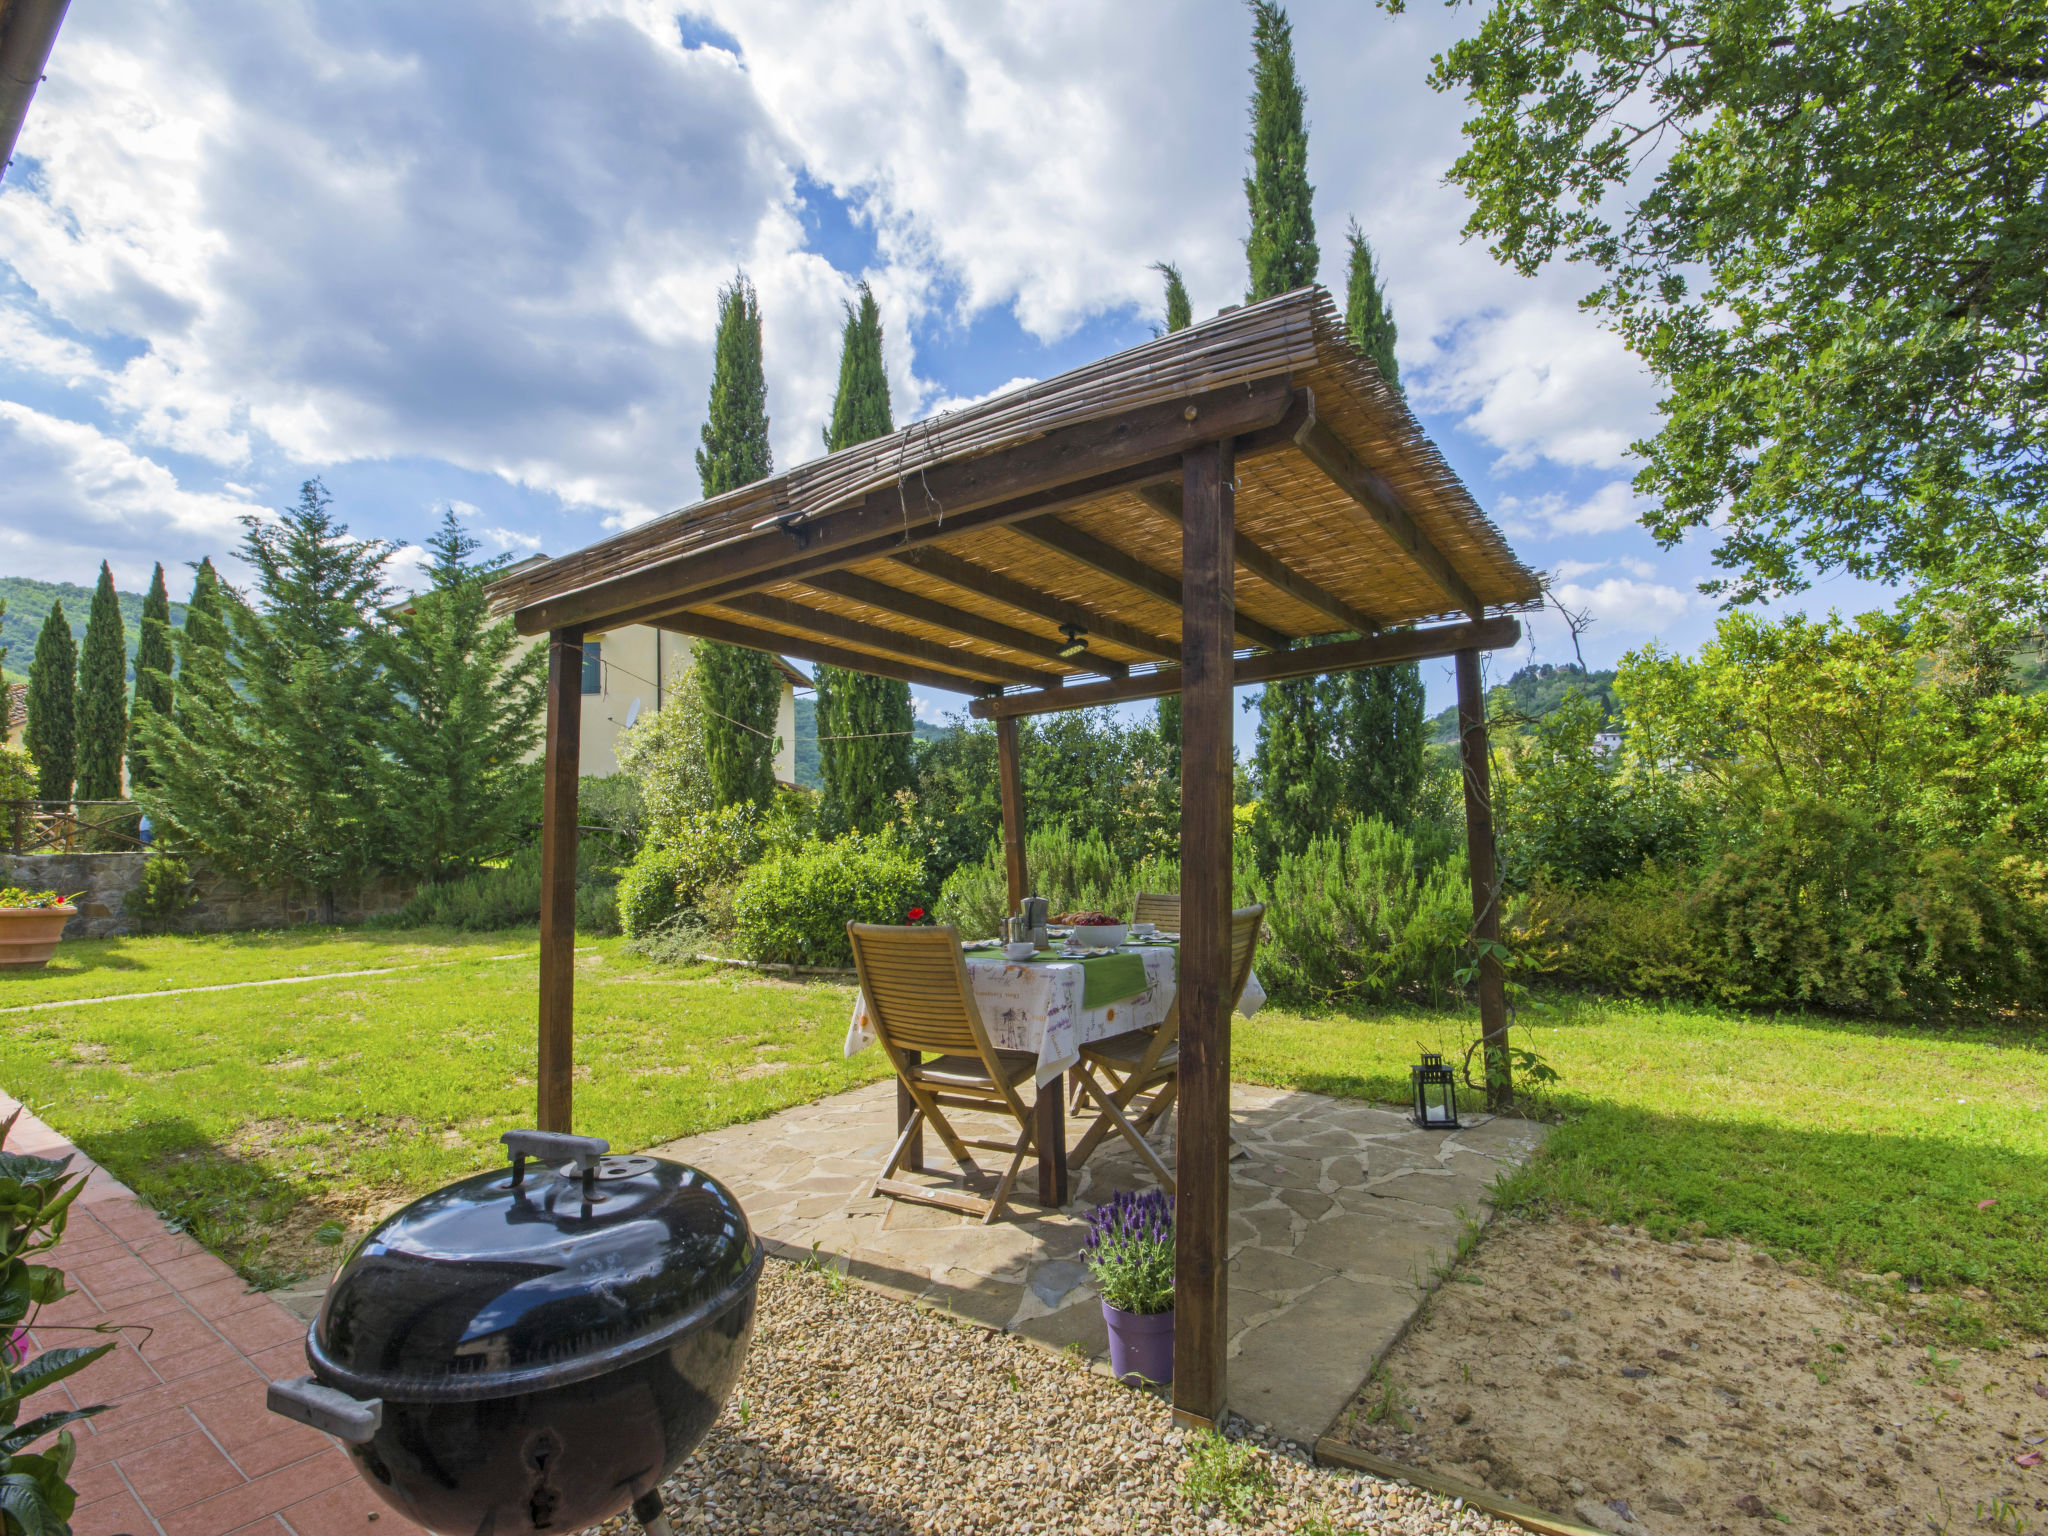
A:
[29,603]
[1538,689]
[808,772]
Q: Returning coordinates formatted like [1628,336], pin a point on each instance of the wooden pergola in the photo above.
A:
[1178,518]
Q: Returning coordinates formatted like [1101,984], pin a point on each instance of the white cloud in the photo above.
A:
[1620,603]
[1572,570]
[1608,510]
[76,496]
[962,402]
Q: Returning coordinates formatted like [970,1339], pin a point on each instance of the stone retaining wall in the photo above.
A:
[225,903]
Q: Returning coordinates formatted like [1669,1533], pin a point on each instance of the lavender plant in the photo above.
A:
[1129,1250]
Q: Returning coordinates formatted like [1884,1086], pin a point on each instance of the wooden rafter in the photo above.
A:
[969,577]
[705,626]
[830,626]
[1267,566]
[914,605]
[1382,503]
[1075,544]
[1383,649]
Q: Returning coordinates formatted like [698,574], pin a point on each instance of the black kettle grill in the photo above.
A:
[533,1353]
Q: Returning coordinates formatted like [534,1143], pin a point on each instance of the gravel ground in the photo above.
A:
[858,1413]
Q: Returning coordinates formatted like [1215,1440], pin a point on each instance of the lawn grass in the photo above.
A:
[267,1119]
[1862,1147]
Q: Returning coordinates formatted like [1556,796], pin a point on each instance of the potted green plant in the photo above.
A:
[31,923]
[1129,1251]
[35,1203]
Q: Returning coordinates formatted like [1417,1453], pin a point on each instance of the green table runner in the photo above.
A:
[1105,979]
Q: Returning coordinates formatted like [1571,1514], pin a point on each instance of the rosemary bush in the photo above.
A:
[1129,1250]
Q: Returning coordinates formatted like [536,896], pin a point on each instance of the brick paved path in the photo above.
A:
[188,1448]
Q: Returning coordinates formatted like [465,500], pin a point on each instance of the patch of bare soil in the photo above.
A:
[1641,1386]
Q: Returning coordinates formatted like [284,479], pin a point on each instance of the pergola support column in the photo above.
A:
[1478,776]
[1202,1155]
[562,761]
[1010,776]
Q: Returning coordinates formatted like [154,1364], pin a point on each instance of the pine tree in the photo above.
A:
[1296,766]
[52,734]
[741,687]
[102,694]
[1179,316]
[203,641]
[270,760]
[1282,248]
[466,715]
[1367,316]
[864,721]
[1382,739]
[154,691]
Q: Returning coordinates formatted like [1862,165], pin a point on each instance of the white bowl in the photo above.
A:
[1101,935]
[1144,930]
[1019,951]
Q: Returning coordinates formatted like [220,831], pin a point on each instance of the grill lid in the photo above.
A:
[533,1277]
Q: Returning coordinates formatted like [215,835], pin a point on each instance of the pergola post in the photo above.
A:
[1493,1005]
[1202,1155]
[1010,775]
[562,761]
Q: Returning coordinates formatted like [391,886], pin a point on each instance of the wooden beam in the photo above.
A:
[927,502]
[1201,1227]
[1099,555]
[836,626]
[704,626]
[969,577]
[1382,503]
[1379,650]
[1010,783]
[1269,567]
[913,605]
[562,763]
[1479,858]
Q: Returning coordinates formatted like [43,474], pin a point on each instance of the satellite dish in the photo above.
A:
[632,714]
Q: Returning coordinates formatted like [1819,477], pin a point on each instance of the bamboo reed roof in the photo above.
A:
[1058,504]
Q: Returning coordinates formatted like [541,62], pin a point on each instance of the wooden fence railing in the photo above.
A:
[74,826]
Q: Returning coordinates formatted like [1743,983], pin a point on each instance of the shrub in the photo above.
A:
[164,891]
[508,896]
[664,755]
[1372,915]
[1639,934]
[793,906]
[1071,872]
[707,850]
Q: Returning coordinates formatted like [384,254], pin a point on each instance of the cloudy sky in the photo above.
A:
[468,254]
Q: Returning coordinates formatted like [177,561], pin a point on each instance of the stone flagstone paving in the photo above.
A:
[1339,1213]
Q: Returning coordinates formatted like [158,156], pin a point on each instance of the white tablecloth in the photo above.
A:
[1037,1008]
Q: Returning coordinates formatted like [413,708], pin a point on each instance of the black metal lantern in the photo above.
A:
[1436,1093]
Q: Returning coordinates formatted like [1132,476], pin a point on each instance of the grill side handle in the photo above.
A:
[353,1419]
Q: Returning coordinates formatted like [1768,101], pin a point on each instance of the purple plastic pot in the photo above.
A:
[1140,1344]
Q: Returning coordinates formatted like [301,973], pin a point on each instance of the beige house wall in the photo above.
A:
[640,666]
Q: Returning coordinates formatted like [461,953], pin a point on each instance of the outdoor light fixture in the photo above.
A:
[1436,1093]
[1073,641]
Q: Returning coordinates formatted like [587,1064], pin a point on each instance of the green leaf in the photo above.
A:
[44,1424]
[26,1504]
[53,1365]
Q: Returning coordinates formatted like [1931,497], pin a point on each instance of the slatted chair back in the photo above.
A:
[1157,907]
[919,997]
[1244,944]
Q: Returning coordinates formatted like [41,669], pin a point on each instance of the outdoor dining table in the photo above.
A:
[1051,1005]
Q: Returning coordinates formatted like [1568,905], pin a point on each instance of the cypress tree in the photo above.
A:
[203,641]
[1282,248]
[154,692]
[102,695]
[270,760]
[1367,316]
[741,688]
[864,721]
[1179,316]
[52,733]
[1300,785]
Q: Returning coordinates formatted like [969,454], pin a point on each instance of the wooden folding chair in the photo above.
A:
[1157,907]
[921,1004]
[1147,1061]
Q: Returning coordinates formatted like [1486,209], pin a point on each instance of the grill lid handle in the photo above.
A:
[554,1147]
[353,1419]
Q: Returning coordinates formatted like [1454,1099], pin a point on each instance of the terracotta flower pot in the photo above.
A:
[29,935]
[1140,1344]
